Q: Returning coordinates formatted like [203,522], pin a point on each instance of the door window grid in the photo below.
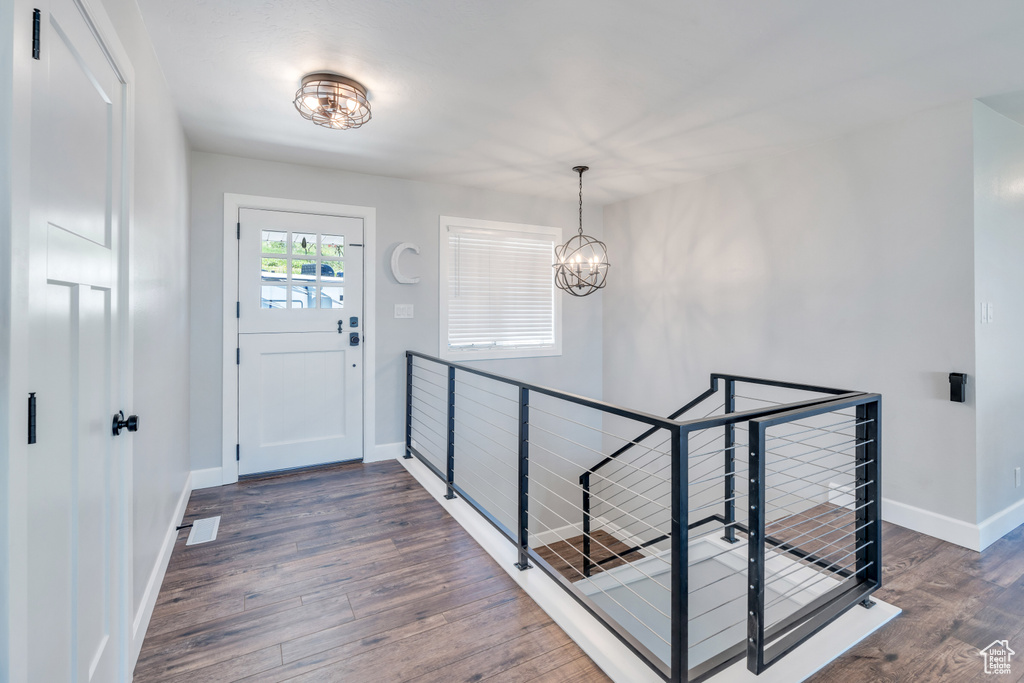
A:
[301,270]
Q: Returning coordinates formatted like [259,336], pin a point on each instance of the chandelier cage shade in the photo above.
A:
[332,101]
[581,264]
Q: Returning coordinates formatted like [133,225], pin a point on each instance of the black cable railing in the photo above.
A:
[645,531]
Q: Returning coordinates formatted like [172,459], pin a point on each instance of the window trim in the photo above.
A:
[444,352]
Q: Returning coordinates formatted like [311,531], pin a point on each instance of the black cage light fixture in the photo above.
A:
[332,101]
[581,264]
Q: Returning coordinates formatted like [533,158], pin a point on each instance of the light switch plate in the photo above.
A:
[404,311]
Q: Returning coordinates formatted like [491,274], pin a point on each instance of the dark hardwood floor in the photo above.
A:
[352,573]
[355,573]
[566,557]
[954,602]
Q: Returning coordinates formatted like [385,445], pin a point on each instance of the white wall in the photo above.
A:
[160,298]
[999,279]
[846,264]
[407,211]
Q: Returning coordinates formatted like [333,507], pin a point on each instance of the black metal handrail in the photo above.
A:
[766,642]
[729,516]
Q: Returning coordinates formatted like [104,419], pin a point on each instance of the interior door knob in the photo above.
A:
[119,423]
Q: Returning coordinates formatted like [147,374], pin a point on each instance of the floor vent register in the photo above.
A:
[203,531]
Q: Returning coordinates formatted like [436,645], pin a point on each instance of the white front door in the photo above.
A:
[76,501]
[300,340]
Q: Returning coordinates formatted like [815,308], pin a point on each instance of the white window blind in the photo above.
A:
[500,293]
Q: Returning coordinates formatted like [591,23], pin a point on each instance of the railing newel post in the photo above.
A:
[408,406]
[730,464]
[755,548]
[524,482]
[450,480]
[868,499]
[679,556]
[587,564]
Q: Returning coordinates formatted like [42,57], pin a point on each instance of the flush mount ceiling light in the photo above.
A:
[581,264]
[332,101]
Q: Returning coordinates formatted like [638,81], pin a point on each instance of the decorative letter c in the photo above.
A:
[395,270]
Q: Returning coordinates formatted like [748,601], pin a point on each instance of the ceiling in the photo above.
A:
[510,95]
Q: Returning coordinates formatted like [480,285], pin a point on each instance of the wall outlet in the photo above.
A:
[1016,477]
[404,311]
[988,311]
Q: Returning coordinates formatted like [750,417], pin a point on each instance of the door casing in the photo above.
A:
[229,382]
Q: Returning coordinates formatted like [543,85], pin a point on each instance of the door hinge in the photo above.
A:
[32,418]
[238,452]
[238,355]
[36,21]
[238,230]
[238,309]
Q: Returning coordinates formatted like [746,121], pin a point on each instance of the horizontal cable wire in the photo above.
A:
[575,464]
[442,387]
[824,428]
[641,521]
[813,461]
[771,525]
[459,448]
[444,439]
[461,405]
[463,384]
[423,437]
[614,554]
[816,567]
[460,423]
[822,577]
[798,491]
[480,479]
[443,413]
[614,436]
[488,422]
[607,595]
[593,539]
[424,366]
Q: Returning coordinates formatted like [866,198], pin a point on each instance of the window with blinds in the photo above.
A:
[498,296]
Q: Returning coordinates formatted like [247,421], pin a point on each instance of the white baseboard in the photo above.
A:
[208,478]
[156,577]
[998,525]
[384,451]
[955,531]
[555,535]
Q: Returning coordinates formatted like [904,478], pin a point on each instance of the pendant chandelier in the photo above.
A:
[332,101]
[581,264]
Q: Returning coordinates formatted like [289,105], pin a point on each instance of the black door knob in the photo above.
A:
[119,423]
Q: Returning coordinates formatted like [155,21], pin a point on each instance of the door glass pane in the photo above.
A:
[332,272]
[303,297]
[274,269]
[304,244]
[332,246]
[274,242]
[303,270]
[273,296]
[331,297]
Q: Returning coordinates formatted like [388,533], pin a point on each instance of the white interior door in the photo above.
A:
[75,619]
[300,340]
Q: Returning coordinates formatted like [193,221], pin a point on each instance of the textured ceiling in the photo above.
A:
[511,94]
